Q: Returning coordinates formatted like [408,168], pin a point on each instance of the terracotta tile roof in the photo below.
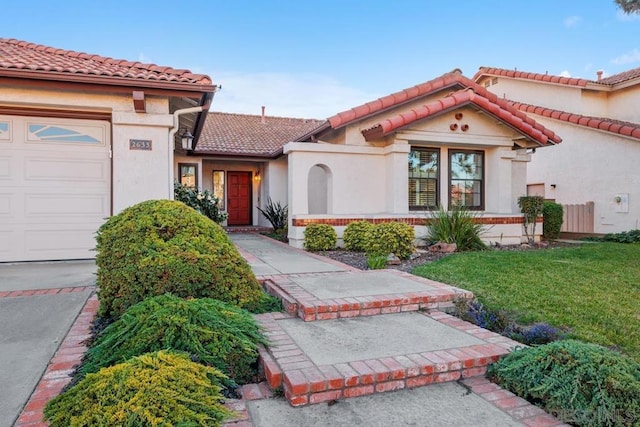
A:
[21,58]
[247,135]
[449,79]
[453,80]
[608,125]
[621,77]
[457,100]
[548,78]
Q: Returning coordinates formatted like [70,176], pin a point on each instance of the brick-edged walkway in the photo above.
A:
[61,367]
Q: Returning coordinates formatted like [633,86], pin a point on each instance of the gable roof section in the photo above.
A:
[454,80]
[22,59]
[449,79]
[457,100]
[546,78]
[608,125]
[606,83]
[244,135]
[621,77]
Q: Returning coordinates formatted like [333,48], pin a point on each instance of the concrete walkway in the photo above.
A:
[38,304]
[370,348]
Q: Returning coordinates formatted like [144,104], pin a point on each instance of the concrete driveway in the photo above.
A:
[37,308]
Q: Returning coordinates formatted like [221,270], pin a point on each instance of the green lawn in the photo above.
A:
[594,289]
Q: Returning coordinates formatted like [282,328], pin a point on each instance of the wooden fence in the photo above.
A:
[578,218]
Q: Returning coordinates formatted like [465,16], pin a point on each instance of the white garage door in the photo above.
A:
[54,187]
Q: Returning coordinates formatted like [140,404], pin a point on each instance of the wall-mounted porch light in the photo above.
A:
[256,177]
[187,140]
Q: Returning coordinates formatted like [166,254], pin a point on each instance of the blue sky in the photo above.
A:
[314,58]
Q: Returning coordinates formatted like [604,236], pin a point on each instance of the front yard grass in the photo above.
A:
[594,289]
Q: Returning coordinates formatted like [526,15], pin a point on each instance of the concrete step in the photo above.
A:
[334,295]
[314,362]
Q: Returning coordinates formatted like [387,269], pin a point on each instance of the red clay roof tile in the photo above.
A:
[548,78]
[247,135]
[531,76]
[608,125]
[621,77]
[457,100]
[16,55]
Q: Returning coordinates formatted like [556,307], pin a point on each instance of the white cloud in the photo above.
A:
[286,95]
[565,73]
[144,58]
[627,58]
[572,21]
[627,17]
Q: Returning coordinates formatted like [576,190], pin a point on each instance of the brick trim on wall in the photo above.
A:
[337,222]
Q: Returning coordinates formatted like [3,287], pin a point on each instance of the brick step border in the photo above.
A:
[299,302]
[286,366]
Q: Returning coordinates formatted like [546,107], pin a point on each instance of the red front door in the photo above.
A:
[239,198]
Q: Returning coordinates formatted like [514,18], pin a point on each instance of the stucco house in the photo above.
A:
[82,137]
[597,162]
[446,141]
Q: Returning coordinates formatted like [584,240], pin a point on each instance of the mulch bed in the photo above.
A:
[359,259]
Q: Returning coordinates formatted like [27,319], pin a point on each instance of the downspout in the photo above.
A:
[172,133]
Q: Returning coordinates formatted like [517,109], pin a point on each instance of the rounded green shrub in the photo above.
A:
[161,246]
[552,220]
[390,238]
[210,331]
[583,384]
[355,235]
[320,237]
[155,389]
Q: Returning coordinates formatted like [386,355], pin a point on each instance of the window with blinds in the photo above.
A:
[423,178]
[466,171]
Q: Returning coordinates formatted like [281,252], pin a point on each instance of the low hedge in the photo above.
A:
[355,235]
[319,237]
[390,238]
[155,389]
[161,246]
[552,220]
[210,331]
[582,384]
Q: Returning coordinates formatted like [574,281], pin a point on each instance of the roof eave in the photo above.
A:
[101,80]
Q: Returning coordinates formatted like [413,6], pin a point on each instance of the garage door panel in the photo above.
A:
[69,238]
[66,205]
[54,187]
[5,238]
[65,170]
[5,205]
[5,169]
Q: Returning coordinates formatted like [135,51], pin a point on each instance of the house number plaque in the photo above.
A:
[140,144]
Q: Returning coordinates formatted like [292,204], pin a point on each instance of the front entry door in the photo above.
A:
[239,198]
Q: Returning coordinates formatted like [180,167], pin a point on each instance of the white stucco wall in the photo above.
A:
[591,165]
[623,104]
[358,176]
[138,175]
[564,98]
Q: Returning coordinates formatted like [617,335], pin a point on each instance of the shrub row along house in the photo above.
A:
[83,136]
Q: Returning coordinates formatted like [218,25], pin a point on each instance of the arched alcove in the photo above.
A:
[319,189]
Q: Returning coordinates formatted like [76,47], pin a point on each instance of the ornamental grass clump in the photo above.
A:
[582,384]
[458,226]
[210,331]
[154,389]
[161,246]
